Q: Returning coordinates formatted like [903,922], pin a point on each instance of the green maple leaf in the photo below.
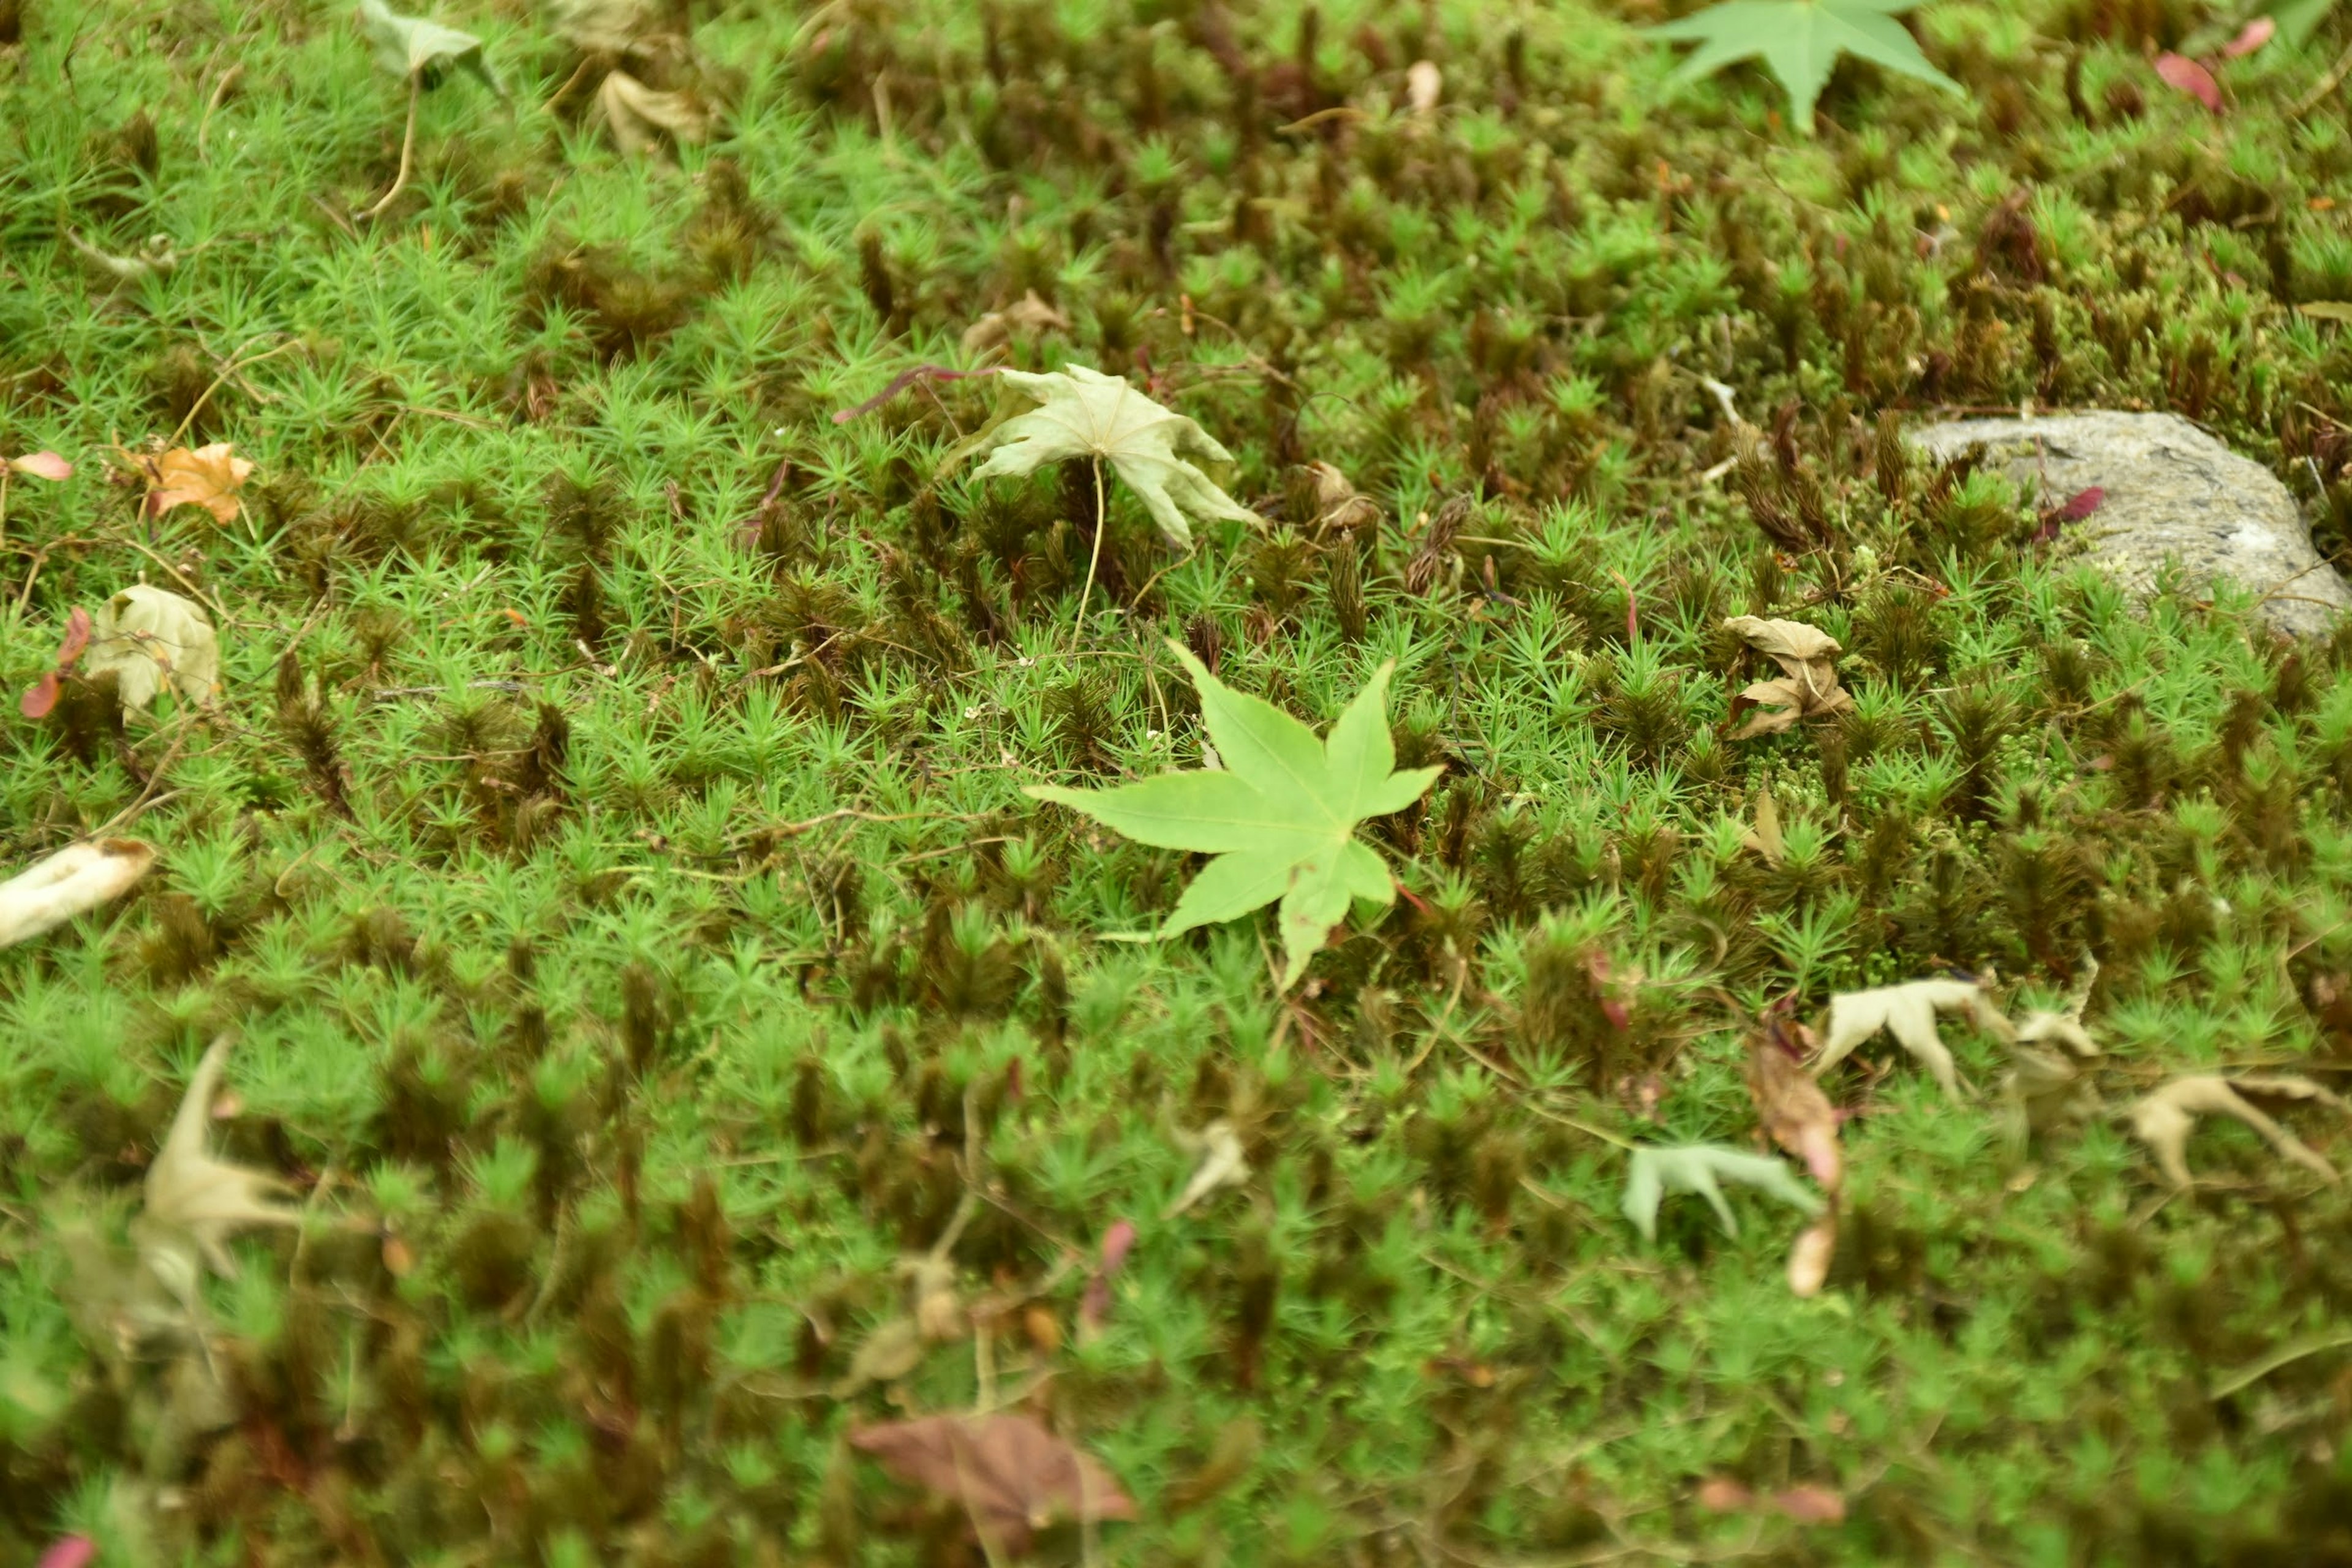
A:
[1083,412]
[1280,816]
[1699,1168]
[1800,41]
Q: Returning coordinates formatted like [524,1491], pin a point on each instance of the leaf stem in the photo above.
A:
[1094,556]
[407,147]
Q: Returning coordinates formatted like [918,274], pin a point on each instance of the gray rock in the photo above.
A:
[2173,492]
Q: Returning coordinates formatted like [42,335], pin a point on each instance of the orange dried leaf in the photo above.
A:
[209,477]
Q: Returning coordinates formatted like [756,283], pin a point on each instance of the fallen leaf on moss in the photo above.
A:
[2182,74]
[1279,817]
[1909,1013]
[1808,687]
[42,695]
[1013,1476]
[1791,1106]
[412,47]
[209,477]
[1810,1254]
[2338,310]
[1222,1166]
[1805,1504]
[1765,836]
[639,117]
[146,635]
[1083,412]
[1093,1308]
[1657,1170]
[894,1349]
[603,27]
[43,466]
[195,1202]
[2164,1120]
[1027,317]
[74,881]
[1337,506]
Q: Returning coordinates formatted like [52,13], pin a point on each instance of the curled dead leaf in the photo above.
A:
[1811,1255]
[1424,82]
[640,117]
[75,880]
[1337,506]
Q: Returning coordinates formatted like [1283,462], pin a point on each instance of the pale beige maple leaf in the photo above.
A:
[1083,412]
[639,115]
[197,1201]
[2164,1120]
[209,477]
[1909,1013]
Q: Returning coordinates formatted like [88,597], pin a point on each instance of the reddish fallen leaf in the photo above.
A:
[73,1552]
[1810,1505]
[43,695]
[1117,1241]
[39,696]
[2074,509]
[2254,35]
[1613,1008]
[1013,1477]
[2184,75]
[1805,1504]
[43,466]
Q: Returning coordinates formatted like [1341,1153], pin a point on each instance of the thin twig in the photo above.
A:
[229,79]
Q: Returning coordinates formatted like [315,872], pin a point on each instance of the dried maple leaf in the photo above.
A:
[1909,1013]
[1026,317]
[195,1202]
[1083,412]
[1657,1170]
[1013,1477]
[75,878]
[1808,687]
[1337,505]
[2164,1120]
[209,477]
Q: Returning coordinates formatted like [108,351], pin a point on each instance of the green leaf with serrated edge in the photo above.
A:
[1280,816]
[1701,1168]
[1800,42]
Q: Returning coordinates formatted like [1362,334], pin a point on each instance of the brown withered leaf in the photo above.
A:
[640,116]
[1027,317]
[1808,687]
[2164,1119]
[209,477]
[1337,506]
[1013,1477]
[1791,1106]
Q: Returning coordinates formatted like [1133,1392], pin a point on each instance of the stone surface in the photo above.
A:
[2172,492]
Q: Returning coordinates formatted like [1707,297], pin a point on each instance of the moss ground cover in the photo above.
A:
[686,1044]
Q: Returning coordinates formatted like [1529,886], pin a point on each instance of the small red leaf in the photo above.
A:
[39,697]
[76,637]
[73,1552]
[1810,1505]
[43,466]
[1721,1494]
[2080,504]
[2255,35]
[2184,75]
